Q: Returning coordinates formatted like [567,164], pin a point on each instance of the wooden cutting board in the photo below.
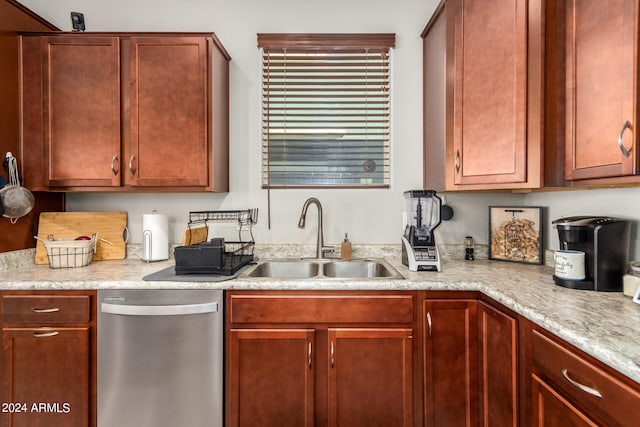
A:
[195,235]
[109,226]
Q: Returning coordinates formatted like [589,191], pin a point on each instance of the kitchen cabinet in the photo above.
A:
[470,362]
[47,358]
[450,362]
[569,387]
[125,112]
[498,367]
[489,114]
[14,17]
[601,94]
[321,358]
[370,376]
[551,409]
[272,377]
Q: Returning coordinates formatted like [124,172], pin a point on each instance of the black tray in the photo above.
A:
[213,257]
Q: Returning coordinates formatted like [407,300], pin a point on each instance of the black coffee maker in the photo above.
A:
[605,242]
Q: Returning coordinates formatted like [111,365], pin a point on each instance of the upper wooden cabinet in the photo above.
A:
[132,112]
[530,94]
[601,91]
[489,56]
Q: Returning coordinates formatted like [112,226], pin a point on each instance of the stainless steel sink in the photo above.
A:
[358,269]
[325,269]
[286,269]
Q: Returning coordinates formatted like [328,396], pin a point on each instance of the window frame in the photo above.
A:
[375,43]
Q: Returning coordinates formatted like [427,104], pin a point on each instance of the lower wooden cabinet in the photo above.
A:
[271,377]
[370,377]
[571,387]
[450,362]
[470,364]
[498,358]
[551,409]
[47,360]
[320,359]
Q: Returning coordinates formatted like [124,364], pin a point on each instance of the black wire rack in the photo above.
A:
[219,256]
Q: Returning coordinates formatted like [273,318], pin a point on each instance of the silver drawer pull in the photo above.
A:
[626,151]
[44,334]
[45,310]
[592,391]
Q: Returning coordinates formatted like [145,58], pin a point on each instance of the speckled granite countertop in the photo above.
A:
[605,325]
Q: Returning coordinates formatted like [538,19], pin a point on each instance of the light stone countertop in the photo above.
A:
[604,325]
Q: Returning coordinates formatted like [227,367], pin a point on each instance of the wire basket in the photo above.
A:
[70,253]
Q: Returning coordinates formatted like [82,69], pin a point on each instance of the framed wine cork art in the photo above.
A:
[515,234]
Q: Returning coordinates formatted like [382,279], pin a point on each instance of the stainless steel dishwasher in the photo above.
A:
[160,358]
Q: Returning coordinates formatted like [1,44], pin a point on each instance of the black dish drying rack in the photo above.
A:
[217,256]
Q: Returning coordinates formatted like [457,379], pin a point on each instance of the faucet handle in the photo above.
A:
[328,250]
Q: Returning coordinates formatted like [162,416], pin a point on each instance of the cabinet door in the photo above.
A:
[550,409]
[450,363]
[601,90]
[370,377]
[271,377]
[81,103]
[490,92]
[47,372]
[498,367]
[169,123]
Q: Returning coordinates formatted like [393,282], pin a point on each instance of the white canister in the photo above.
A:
[569,264]
[155,237]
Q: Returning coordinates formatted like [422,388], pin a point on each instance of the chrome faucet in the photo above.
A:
[321,249]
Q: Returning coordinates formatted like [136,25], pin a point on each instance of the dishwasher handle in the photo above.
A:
[159,310]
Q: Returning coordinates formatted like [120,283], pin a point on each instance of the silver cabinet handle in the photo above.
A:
[132,171]
[429,323]
[309,354]
[45,310]
[114,160]
[333,357]
[159,310]
[590,390]
[457,161]
[44,334]
[626,151]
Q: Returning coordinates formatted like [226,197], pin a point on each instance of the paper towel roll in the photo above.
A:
[155,237]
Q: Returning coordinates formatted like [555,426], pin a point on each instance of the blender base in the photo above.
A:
[423,258]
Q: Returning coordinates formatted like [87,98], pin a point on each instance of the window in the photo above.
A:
[326,115]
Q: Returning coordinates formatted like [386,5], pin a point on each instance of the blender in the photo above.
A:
[419,250]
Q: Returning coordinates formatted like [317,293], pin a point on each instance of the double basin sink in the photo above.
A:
[332,269]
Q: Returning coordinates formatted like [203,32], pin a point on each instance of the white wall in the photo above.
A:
[369,216]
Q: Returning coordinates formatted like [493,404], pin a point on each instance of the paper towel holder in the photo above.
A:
[155,248]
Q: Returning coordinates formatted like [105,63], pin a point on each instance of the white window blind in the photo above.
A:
[326,115]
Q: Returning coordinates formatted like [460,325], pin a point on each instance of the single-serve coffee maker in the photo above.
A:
[605,243]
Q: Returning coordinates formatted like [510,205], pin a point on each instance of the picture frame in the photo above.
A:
[515,234]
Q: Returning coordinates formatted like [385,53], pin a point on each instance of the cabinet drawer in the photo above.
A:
[46,308]
[348,309]
[596,390]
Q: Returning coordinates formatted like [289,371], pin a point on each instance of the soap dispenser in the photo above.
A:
[345,252]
